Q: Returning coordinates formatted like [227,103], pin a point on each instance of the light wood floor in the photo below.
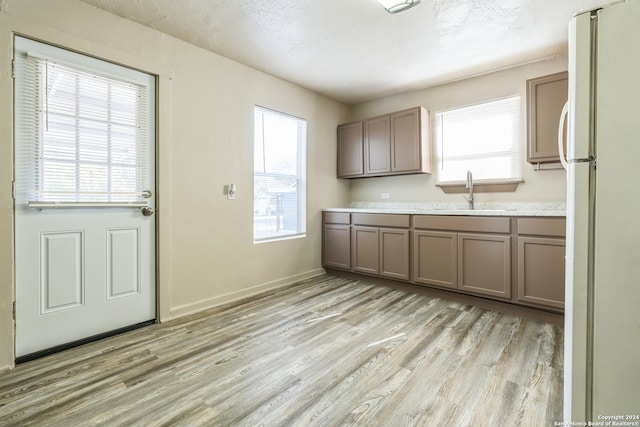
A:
[329,351]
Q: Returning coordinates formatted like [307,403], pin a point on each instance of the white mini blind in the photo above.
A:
[483,138]
[82,132]
[279,177]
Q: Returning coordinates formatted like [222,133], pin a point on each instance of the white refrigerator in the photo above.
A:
[602,315]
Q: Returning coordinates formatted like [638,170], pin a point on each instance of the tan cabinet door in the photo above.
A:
[541,271]
[435,258]
[365,258]
[377,147]
[337,246]
[394,253]
[405,141]
[350,150]
[546,97]
[484,264]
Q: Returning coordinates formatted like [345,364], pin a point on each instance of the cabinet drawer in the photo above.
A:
[336,217]
[381,220]
[480,224]
[555,227]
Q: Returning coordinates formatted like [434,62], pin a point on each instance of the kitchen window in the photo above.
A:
[279,176]
[484,139]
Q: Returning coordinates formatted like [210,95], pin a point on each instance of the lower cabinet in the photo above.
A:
[337,246]
[336,240]
[381,245]
[484,264]
[464,254]
[366,252]
[541,262]
[520,260]
[394,253]
[435,258]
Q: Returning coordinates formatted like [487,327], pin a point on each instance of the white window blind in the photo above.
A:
[83,130]
[484,138]
[279,178]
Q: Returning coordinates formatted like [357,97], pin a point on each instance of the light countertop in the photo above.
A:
[557,209]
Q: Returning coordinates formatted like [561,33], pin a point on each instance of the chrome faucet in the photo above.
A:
[470,187]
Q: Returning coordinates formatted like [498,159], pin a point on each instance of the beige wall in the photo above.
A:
[205,141]
[538,186]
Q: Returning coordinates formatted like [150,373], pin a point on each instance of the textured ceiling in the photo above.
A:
[352,50]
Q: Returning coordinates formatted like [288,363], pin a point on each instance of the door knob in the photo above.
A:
[147,211]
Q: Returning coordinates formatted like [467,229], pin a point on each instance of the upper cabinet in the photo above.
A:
[546,97]
[377,146]
[410,147]
[393,144]
[350,155]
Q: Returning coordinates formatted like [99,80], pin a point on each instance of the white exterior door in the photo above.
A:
[84,200]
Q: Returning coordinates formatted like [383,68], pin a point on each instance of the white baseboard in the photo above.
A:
[192,308]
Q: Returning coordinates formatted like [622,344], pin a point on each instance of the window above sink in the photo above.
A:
[483,138]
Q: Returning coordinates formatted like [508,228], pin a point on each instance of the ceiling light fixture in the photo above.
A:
[395,6]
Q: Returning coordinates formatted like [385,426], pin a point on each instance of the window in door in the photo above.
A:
[86,128]
[484,138]
[279,176]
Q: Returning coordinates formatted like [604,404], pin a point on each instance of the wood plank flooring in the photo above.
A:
[329,351]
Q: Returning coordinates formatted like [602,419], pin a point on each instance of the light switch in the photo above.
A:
[231,192]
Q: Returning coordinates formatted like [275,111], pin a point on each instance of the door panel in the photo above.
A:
[97,278]
[62,281]
[123,258]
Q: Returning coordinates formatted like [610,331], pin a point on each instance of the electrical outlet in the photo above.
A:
[384,195]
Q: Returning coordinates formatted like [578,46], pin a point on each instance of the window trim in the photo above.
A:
[488,186]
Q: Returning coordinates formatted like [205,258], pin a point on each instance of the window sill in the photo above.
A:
[480,187]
